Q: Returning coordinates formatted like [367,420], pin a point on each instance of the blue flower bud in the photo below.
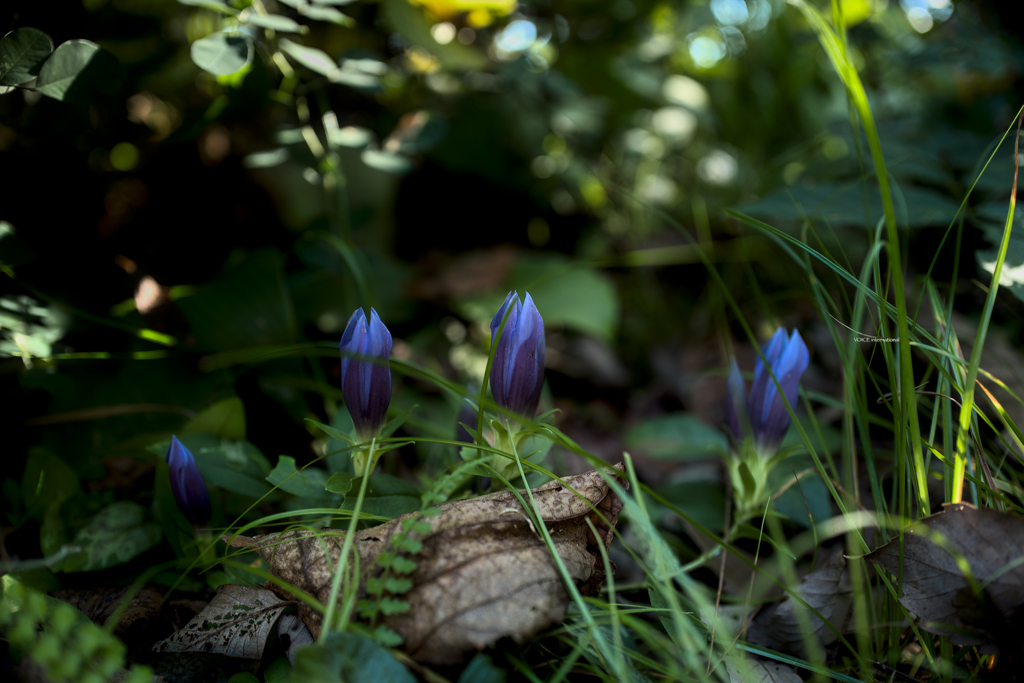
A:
[187,484]
[365,372]
[764,408]
[517,375]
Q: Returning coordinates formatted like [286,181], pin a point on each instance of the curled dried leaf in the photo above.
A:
[482,571]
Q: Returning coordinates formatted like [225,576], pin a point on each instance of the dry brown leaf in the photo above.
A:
[483,572]
[141,617]
[236,623]
[934,586]
[824,590]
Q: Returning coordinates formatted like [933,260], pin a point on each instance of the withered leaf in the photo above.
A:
[236,623]
[825,590]
[745,670]
[482,570]
[934,586]
[142,617]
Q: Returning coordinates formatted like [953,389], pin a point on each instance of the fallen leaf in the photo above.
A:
[236,623]
[935,587]
[779,626]
[293,635]
[141,617]
[482,571]
[746,670]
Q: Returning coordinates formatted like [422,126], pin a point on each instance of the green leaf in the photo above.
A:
[327,14]
[333,2]
[752,532]
[233,465]
[396,422]
[299,482]
[118,533]
[843,204]
[248,305]
[353,137]
[340,482]
[213,5]
[310,57]
[385,506]
[225,419]
[403,565]
[348,657]
[22,53]
[811,493]
[677,436]
[52,532]
[275,22]
[482,670]
[221,54]
[266,159]
[567,294]
[387,485]
[386,637]
[390,606]
[396,585]
[77,71]
[47,478]
[1012,274]
[410,545]
[703,500]
[386,162]
[749,484]
[413,24]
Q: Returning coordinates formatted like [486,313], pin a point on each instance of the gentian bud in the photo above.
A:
[517,375]
[187,484]
[365,380]
[767,414]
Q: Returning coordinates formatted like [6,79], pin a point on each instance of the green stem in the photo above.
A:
[346,548]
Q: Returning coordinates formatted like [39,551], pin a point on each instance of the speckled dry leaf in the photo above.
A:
[934,586]
[483,572]
[236,623]
[746,670]
[825,590]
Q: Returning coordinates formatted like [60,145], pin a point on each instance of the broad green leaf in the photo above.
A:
[327,14]
[225,419]
[340,482]
[812,492]
[676,437]
[266,159]
[702,500]
[118,533]
[333,2]
[221,54]
[843,204]
[275,22]
[386,162]
[385,506]
[77,71]
[249,305]
[482,670]
[359,80]
[53,531]
[47,478]
[213,5]
[567,294]
[387,485]
[348,657]
[22,53]
[233,465]
[353,137]
[308,483]
[310,57]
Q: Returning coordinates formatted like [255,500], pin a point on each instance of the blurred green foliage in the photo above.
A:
[211,187]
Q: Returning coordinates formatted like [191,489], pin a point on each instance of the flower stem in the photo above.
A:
[346,548]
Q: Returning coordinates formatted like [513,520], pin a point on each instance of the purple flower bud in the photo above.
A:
[517,375]
[365,372]
[764,408]
[187,484]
